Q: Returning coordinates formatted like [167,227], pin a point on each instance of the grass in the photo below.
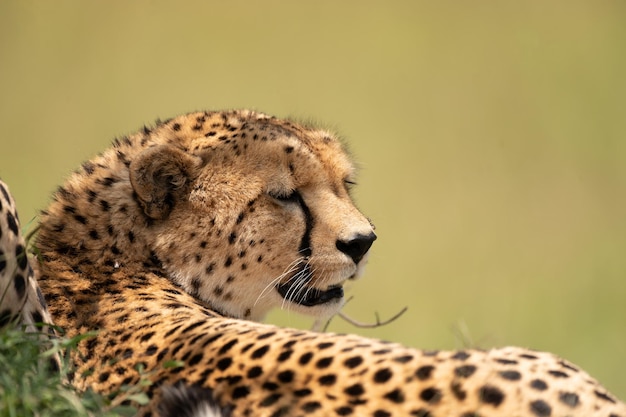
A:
[29,387]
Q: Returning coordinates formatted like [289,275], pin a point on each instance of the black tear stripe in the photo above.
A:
[305,243]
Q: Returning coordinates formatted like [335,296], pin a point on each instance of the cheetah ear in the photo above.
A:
[159,176]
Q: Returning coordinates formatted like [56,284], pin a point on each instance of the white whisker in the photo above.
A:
[288,270]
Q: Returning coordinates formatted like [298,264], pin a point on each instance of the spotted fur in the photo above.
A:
[21,300]
[175,241]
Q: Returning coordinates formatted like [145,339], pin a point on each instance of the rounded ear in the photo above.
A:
[158,176]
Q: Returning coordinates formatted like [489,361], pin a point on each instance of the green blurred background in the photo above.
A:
[491,136]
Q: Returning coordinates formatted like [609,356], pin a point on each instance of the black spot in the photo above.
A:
[510,375]
[195,359]
[424,372]
[94,234]
[324,362]
[528,356]
[147,336]
[540,408]
[403,359]
[20,285]
[131,236]
[344,411]
[458,391]
[266,335]
[538,384]
[20,255]
[325,345]
[224,364]
[260,352]
[232,238]
[354,390]
[569,398]
[604,396]
[305,392]
[196,283]
[105,205]
[255,372]
[151,350]
[383,375]
[507,361]
[229,262]
[37,317]
[226,347]
[422,413]
[80,219]
[305,358]
[353,362]
[91,196]
[107,181]
[289,344]
[311,406]
[396,396]
[285,376]
[162,354]
[192,326]
[209,268]
[431,395]
[491,395]
[465,371]
[327,380]
[3,261]
[558,374]
[12,223]
[103,377]
[461,355]
[5,193]
[176,127]
[270,400]
[569,366]
[241,392]
[284,355]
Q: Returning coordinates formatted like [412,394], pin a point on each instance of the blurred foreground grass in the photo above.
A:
[491,135]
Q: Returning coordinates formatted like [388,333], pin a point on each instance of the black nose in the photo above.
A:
[357,247]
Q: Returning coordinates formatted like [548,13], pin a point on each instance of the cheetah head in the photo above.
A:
[248,212]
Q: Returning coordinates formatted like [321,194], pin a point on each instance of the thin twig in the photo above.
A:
[372,325]
[317,324]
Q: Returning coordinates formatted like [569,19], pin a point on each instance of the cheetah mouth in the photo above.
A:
[309,296]
[297,290]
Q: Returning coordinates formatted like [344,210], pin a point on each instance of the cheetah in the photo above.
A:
[175,242]
[21,300]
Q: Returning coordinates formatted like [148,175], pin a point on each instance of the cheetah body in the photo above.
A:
[173,242]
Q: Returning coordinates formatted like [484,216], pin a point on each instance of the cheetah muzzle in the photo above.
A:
[297,288]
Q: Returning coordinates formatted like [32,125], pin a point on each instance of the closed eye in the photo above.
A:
[349,184]
[284,197]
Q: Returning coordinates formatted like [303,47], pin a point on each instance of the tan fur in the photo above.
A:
[171,237]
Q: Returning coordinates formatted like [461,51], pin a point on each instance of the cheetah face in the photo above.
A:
[257,218]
